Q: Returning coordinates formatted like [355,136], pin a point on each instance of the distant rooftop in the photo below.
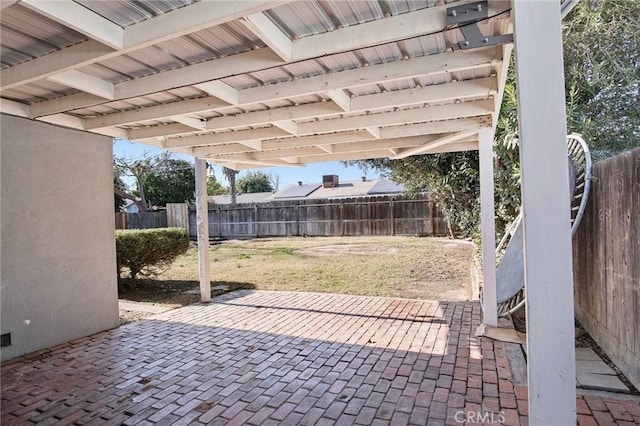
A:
[315,191]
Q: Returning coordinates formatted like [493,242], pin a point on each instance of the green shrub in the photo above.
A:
[146,252]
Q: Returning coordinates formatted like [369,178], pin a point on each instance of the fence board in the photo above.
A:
[351,216]
[178,215]
[607,262]
[147,220]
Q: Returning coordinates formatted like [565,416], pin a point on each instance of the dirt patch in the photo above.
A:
[348,250]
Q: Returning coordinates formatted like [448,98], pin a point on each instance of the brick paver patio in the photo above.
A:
[262,358]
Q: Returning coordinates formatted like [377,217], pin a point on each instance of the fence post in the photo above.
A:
[393,220]
[341,219]
[431,217]
[298,220]
[255,222]
[219,211]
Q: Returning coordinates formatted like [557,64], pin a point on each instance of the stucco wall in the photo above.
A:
[58,270]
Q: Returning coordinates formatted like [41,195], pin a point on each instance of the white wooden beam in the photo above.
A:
[64,104]
[431,146]
[399,27]
[141,134]
[261,26]
[14,108]
[255,144]
[59,61]
[198,73]
[176,23]
[220,90]
[240,136]
[85,82]
[340,98]
[188,19]
[64,120]
[255,164]
[202,227]
[447,92]
[445,126]
[374,130]
[6,3]
[195,123]
[156,112]
[364,76]
[259,118]
[81,19]
[501,77]
[328,148]
[441,112]
[289,126]
[548,261]
[488,228]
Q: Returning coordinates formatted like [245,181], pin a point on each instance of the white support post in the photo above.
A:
[202,221]
[546,208]
[488,228]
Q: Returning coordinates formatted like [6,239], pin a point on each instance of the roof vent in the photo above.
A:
[330,181]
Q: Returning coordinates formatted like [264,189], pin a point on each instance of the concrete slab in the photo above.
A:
[587,354]
[601,382]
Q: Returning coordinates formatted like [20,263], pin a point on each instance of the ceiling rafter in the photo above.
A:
[431,146]
[81,19]
[179,22]
[261,26]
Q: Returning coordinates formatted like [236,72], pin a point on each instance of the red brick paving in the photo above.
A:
[264,358]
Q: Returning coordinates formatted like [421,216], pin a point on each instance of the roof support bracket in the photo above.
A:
[466,17]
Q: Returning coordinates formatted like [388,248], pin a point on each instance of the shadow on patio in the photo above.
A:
[257,357]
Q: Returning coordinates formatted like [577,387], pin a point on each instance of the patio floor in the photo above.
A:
[256,357]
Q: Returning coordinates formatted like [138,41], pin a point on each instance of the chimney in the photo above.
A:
[364,178]
[330,181]
[299,183]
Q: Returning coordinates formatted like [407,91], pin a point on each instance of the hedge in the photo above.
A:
[147,251]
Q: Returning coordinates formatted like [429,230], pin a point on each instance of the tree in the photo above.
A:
[119,187]
[137,169]
[231,175]
[602,73]
[214,187]
[169,180]
[255,181]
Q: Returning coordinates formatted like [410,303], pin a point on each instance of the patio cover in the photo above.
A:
[275,83]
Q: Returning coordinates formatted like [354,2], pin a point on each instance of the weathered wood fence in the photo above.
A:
[141,220]
[351,216]
[606,262]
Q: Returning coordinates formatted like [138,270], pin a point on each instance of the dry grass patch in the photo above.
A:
[427,268]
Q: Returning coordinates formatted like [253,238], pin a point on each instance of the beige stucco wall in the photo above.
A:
[58,270]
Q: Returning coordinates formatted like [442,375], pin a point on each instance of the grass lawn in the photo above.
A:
[425,268]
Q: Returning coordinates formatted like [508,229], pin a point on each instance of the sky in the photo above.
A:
[311,173]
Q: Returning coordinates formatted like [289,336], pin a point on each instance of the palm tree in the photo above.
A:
[230,175]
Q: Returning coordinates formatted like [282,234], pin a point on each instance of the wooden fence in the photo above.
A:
[141,220]
[351,216]
[606,253]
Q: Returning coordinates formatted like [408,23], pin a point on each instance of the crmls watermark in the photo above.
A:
[473,417]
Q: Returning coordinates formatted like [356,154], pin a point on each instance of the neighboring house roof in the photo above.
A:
[315,191]
[257,197]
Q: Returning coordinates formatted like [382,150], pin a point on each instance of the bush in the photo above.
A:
[146,252]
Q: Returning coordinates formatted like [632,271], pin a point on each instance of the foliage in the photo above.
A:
[214,187]
[254,181]
[231,176]
[118,184]
[147,252]
[602,73]
[169,180]
[137,169]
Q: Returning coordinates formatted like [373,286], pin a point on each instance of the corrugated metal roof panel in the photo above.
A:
[129,12]
[301,19]
[397,7]
[26,35]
